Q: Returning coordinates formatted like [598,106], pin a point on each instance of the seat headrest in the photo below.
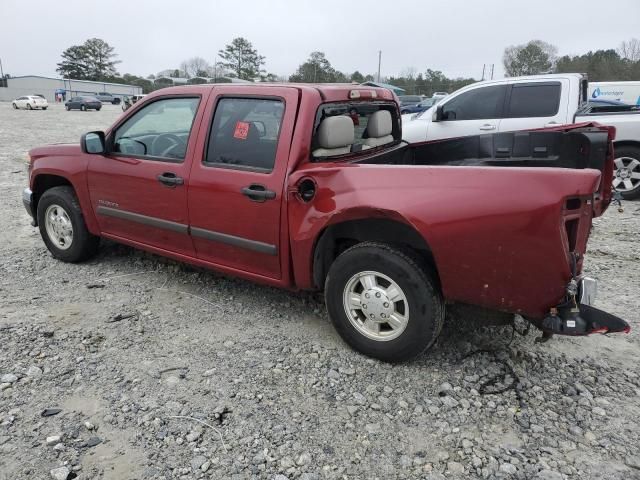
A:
[379,124]
[336,132]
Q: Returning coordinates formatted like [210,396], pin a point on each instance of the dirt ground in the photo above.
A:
[203,376]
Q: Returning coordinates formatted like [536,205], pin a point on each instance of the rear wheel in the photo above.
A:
[626,177]
[83,107]
[62,226]
[44,108]
[383,303]
[98,109]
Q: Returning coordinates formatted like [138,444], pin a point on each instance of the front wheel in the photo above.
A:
[626,177]
[44,108]
[29,107]
[15,107]
[62,226]
[67,107]
[382,303]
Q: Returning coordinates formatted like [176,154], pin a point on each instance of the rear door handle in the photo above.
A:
[487,126]
[258,193]
[551,124]
[170,179]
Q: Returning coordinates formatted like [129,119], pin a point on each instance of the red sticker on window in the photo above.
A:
[242,130]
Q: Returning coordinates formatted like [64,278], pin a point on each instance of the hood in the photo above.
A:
[58,149]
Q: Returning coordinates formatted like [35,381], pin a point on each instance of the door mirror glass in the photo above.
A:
[92,142]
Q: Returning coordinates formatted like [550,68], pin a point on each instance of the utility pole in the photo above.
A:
[2,74]
[379,61]
[492,65]
[484,65]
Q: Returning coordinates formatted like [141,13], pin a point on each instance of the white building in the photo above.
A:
[48,86]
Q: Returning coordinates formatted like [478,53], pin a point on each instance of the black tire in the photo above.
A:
[67,107]
[632,152]
[98,109]
[426,308]
[29,107]
[15,107]
[83,245]
[83,108]
[44,108]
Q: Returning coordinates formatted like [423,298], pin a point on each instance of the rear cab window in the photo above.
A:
[354,128]
[534,100]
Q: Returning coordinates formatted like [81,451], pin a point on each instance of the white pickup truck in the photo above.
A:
[524,103]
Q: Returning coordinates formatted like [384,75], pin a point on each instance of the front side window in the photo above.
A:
[159,130]
[476,104]
[244,134]
[534,100]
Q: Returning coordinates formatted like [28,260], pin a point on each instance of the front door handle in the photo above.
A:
[258,193]
[487,126]
[551,124]
[170,179]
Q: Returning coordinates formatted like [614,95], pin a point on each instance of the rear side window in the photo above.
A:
[534,100]
[244,134]
[476,104]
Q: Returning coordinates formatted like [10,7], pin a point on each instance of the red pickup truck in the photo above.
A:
[287,186]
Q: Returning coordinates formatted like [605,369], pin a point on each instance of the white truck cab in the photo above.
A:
[525,103]
[498,106]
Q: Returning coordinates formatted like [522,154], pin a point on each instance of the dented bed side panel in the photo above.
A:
[498,235]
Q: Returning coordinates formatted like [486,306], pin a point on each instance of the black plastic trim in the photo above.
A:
[240,242]
[143,219]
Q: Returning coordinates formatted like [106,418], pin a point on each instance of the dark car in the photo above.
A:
[418,107]
[409,100]
[83,103]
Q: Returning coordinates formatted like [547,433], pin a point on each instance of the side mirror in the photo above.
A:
[92,142]
[437,115]
[261,127]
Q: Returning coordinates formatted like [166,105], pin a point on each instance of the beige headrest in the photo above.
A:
[379,124]
[336,132]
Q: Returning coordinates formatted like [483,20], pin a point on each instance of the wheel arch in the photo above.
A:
[43,182]
[626,143]
[339,236]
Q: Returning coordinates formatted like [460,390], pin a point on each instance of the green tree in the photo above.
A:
[600,66]
[93,60]
[242,59]
[530,58]
[317,69]
[357,77]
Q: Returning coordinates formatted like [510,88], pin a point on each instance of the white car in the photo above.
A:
[30,102]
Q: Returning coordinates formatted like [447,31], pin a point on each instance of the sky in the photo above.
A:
[456,37]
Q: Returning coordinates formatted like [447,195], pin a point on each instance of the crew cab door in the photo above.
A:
[237,179]
[536,104]
[138,189]
[472,112]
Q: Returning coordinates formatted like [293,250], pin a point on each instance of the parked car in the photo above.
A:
[417,107]
[128,102]
[106,97]
[30,102]
[83,103]
[522,103]
[307,201]
[409,100]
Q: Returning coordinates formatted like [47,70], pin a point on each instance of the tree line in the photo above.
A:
[96,60]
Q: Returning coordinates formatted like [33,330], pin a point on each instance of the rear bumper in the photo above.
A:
[27,201]
[581,317]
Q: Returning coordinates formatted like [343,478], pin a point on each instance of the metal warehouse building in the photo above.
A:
[48,86]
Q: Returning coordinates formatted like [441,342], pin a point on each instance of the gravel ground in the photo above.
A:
[164,371]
